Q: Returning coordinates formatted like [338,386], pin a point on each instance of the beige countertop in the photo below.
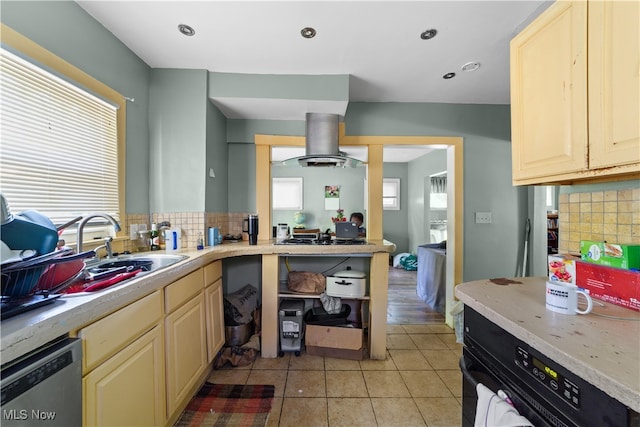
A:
[602,347]
[32,329]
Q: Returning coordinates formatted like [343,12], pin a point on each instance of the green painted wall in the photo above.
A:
[178,137]
[217,189]
[395,223]
[242,177]
[490,250]
[288,86]
[68,31]
[244,131]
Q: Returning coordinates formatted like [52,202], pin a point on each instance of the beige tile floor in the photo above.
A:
[418,384]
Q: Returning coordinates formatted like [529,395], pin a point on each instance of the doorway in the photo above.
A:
[374,146]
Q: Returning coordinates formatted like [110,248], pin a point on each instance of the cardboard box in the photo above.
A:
[615,285]
[562,268]
[338,353]
[334,337]
[611,254]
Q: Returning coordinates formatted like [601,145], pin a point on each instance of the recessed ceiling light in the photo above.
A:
[186,30]
[429,34]
[470,66]
[449,76]
[308,32]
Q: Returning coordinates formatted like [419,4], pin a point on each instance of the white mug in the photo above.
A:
[563,298]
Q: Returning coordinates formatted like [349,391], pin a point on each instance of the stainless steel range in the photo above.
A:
[321,242]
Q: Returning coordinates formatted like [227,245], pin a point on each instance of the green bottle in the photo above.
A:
[154,237]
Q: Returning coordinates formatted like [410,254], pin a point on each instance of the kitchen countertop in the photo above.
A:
[604,351]
[32,329]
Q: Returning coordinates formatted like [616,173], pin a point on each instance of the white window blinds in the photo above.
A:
[287,194]
[391,194]
[58,147]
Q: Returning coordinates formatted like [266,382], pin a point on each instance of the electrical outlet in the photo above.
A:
[133,231]
[483,217]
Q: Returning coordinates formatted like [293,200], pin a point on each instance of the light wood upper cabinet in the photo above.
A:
[614,83]
[548,93]
[574,94]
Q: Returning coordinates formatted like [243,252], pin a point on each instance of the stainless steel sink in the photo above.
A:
[106,269]
[147,262]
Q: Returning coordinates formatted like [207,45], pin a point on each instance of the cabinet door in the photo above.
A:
[549,93]
[129,388]
[215,319]
[614,88]
[186,344]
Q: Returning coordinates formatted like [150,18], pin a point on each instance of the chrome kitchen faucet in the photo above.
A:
[85,220]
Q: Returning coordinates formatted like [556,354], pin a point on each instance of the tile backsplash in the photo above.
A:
[610,215]
[190,224]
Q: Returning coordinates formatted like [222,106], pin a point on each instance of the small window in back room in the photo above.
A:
[287,194]
[438,193]
[59,151]
[391,194]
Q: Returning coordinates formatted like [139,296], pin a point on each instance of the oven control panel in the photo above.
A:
[548,376]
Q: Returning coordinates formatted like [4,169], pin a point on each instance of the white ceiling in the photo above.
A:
[376,43]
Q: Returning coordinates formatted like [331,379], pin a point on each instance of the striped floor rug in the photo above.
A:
[228,405]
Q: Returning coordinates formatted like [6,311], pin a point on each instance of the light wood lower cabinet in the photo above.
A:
[213,295]
[186,341]
[215,319]
[124,366]
[128,389]
[143,363]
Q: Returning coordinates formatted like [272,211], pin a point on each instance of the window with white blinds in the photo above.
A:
[391,194]
[287,194]
[59,144]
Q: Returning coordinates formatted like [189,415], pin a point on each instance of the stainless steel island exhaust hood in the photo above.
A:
[321,143]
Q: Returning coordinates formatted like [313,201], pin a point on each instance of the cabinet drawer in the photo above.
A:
[105,337]
[183,290]
[212,272]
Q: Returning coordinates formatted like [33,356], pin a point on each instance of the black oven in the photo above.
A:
[542,391]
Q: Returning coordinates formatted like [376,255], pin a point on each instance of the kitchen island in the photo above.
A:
[28,331]
[602,347]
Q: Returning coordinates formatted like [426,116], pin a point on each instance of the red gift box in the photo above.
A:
[615,285]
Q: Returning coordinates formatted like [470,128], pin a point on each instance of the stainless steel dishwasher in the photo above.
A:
[44,387]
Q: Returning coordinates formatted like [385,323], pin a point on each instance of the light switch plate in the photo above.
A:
[133,231]
[483,217]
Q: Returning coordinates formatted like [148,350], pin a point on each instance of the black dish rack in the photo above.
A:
[21,285]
